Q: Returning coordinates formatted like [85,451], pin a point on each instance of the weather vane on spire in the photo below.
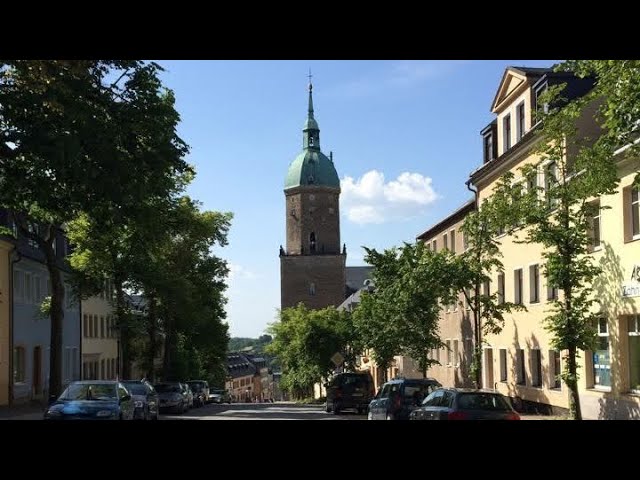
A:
[310,76]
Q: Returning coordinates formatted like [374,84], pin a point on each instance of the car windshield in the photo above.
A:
[168,388]
[415,390]
[89,391]
[482,401]
[136,388]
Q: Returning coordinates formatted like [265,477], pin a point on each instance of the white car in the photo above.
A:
[219,396]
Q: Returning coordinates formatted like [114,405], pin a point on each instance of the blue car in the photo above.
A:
[92,400]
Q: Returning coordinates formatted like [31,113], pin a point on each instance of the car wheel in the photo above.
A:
[370,416]
[389,416]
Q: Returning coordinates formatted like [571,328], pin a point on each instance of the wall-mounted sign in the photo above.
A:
[632,288]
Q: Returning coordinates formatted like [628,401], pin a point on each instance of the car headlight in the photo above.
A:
[53,413]
[138,404]
[104,413]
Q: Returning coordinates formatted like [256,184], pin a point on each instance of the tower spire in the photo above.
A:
[310,95]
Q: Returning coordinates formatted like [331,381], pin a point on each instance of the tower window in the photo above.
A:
[312,242]
[311,141]
[312,289]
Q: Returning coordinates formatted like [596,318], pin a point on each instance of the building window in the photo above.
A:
[488,147]
[449,353]
[552,292]
[536,365]
[501,298]
[634,352]
[521,377]
[452,237]
[467,298]
[538,108]
[503,364]
[517,286]
[102,327]
[465,242]
[555,369]
[486,288]
[635,212]
[534,284]
[445,242]
[95,326]
[595,227]
[86,326]
[532,181]
[456,361]
[602,356]
[550,178]
[312,289]
[18,365]
[435,244]
[103,373]
[506,132]
[28,298]
[520,121]
[312,242]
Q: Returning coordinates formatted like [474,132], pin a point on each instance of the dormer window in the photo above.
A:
[539,108]
[488,147]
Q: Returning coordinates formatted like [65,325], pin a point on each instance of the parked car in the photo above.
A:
[465,404]
[219,396]
[349,391]
[397,398]
[172,396]
[92,400]
[145,399]
[200,389]
[188,395]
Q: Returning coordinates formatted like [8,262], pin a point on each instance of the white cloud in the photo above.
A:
[238,271]
[370,200]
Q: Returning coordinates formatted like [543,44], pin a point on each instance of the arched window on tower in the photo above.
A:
[312,288]
[311,140]
[312,242]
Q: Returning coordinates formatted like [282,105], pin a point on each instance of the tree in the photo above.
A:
[558,217]
[304,341]
[402,315]
[472,270]
[77,135]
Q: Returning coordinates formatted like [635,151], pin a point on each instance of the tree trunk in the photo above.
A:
[152,329]
[57,320]
[168,348]
[123,327]
[575,411]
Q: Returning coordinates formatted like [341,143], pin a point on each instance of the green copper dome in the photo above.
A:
[311,166]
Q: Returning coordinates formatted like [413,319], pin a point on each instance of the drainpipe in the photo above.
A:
[476,320]
[13,261]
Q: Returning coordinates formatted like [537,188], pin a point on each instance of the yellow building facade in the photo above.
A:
[5,321]
[519,361]
[100,354]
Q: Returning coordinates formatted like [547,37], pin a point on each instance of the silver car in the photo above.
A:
[172,396]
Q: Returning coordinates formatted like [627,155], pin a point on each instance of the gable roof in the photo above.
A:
[449,220]
[512,79]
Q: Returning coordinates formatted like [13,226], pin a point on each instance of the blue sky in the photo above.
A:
[404,136]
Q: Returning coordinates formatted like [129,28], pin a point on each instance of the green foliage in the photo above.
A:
[401,317]
[304,341]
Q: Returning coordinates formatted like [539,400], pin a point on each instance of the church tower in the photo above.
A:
[312,266]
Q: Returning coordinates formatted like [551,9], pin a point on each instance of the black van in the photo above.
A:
[399,397]
[349,391]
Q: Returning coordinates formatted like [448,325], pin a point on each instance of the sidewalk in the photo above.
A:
[541,417]
[28,411]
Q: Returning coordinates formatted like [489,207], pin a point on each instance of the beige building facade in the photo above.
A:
[100,353]
[519,361]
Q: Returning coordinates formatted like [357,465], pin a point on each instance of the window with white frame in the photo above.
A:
[435,244]
[602,356]
[534,284]
[102,335]
[536,368]
[506,132]
[445,243]
[503,364]
[517,286]
[488,147]
[520,125]
[595,227]
[538,107]
[85,324]
[456,359]
[635,211]
[501,298]
[633,327]
[486,288]
[532,181]
[555,369]
[449,353]
[521,376]
[452,238]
